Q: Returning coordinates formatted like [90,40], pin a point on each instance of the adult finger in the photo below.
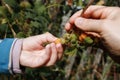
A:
[43,56]
[96,12]
[91,25]
[46,37]
[53,57]
[87,13]
[102,12]
[74,16]
[36,58]
[59,50]
[68,26]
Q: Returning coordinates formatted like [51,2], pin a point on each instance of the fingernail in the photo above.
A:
[48,46]
[58,45]
[52,44]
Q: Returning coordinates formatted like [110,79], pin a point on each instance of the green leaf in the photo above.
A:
[12,3]
[88,40]
[3,28]
[25,4]
[73,37]
[4,21]
[21,35]
[107,68]
[35,24]
[39,7]
[71,51]
[3,11]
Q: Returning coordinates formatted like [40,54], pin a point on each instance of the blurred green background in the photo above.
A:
[24,18]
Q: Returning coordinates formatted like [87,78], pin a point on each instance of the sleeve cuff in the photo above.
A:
[16,52]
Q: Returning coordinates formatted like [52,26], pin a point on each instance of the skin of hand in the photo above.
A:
[34,54]
[103,21]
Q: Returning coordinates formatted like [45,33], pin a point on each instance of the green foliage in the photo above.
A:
[88,40]
[27,18]
[23,18]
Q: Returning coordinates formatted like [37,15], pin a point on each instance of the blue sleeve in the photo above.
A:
[5,46]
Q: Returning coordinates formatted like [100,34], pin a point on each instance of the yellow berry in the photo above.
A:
[57,41]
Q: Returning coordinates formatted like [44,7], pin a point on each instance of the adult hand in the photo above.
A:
[104,21]
[34,54]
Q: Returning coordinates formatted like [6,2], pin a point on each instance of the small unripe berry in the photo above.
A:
[25,4]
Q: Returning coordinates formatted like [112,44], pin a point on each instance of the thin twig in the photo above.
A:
[85,8]
[6,32]
[13,32]
[7,6]
[78,31]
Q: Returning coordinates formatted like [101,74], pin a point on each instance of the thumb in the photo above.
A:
[91,25]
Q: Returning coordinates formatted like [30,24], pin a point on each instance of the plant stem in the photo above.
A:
[13,32]
[85,8]
[7,6]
